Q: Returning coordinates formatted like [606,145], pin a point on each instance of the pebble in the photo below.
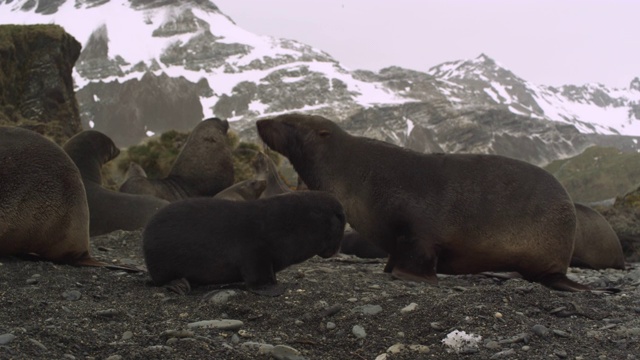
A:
[6,338]
[235,339]
[331,325]
[382,357]
[127,335]
[38,344]
[32,281]
[114,357]
[332,310]
[526,348]
[540,330]
[222,297]
[409,308]
[368,309]
[352,300]
[359,332]
[422,349]
[72,295]
[69,356]
[436,325]
[492,345]
[561,354]
[107,313]
[284,352]
[216,324]
[498,315]
[396,348]
[503,354]
[561,333]
[298,322]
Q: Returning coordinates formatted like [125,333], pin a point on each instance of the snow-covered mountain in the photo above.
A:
[151,65]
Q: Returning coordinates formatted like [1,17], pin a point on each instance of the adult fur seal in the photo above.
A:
[596,246]
[250,189]
[204,166]
[446,213]
[43,206]
[210,241]
[109,210]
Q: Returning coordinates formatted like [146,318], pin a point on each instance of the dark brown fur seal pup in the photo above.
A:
[452,214]
[109,210]
[250,189]
[43,206]
[209,241]
[266,169]
[596,246]
[204,166]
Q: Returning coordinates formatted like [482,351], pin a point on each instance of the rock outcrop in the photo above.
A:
[36,85]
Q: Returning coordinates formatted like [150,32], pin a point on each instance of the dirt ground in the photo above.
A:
[338,308]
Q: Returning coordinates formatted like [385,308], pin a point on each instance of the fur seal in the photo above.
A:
[354,244]
[250,189]
[203,167]
[135,170]
[210,241]
[445,213]
[596,246]
[109,210]
[266,169]
[43,206]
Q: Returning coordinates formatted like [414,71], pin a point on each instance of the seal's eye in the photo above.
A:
[324,133]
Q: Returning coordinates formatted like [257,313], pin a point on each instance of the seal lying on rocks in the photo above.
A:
[109,210]
[43,205]
[204,166]
[210,241]
[596,246]
[446,213]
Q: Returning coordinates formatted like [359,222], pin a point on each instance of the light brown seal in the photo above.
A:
[210,241]
[43,206]
[446,213]
[204,166]
[109,210]
[596,246]
[266,169]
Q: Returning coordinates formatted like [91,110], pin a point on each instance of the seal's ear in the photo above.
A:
[324,133]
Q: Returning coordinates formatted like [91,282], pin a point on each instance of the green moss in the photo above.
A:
[156,156]
[598,173]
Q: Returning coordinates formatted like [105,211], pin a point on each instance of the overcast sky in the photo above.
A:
[549,42]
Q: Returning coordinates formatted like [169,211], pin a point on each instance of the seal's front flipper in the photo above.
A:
[179,286]
[271,290]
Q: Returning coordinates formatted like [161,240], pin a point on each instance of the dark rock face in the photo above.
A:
[439,128]
[36,87]
[184,23]
[94,62]
[153,103]
[202,52]
[635,84]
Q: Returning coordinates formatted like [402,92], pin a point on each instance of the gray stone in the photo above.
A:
[6,338]
[540,330]
[359,332]
[331,325]
[127,335]
[72,295]
[368,309]
[222,297]
[503,354]
[284,352]
[216,324]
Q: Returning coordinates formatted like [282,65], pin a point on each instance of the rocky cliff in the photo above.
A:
[36,86]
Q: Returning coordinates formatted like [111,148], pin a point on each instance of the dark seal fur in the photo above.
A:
[266,169]
[446,213]
[109,210]
[596,246]
[204,166]
[250,189]
[43,206]
[210,241]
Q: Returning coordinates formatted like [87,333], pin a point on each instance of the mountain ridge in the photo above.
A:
[242,76]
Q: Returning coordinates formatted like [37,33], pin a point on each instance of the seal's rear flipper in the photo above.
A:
[268,290]
[408,276]
[179,286]
[89,261]
[561,282]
